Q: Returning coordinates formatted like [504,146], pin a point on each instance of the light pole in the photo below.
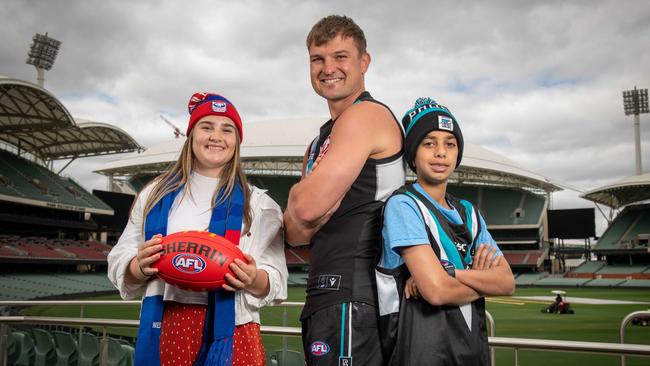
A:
[636,102]
[42,54]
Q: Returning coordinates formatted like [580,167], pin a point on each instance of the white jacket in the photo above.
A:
[265,243]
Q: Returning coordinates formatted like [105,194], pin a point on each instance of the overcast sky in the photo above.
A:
[537,81]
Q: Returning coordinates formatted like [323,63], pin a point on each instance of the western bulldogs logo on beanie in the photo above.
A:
[424,117]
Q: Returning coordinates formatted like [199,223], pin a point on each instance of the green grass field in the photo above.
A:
[513,318]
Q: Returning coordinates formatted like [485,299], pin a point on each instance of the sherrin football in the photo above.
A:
[196,260]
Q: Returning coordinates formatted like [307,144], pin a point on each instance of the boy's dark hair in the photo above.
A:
[333,25]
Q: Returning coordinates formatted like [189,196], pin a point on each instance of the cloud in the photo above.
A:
[539,82]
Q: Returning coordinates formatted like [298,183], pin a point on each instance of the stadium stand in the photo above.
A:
[297,256]
[529,279]
[622,271]
[28,286]
[499,206]
[561,281]
[604,282]
[587,269]
[636,283]
[33,182]
[611,238]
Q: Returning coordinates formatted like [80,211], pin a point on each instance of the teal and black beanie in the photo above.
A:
[424,117]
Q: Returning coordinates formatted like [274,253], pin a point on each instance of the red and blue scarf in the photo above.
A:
[226,220]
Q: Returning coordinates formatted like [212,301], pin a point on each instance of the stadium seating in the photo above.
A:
[589,267]
[44,348]
[66,348]
[116,354]
[640,226]
[533,207]
[297,279]
[88,350]
[28,180]
[636,283]
[40,248]
[561,281]
[622,271]
[297,255]
[614,233]
[498,205]
[515,257]
[27,286]
[23,354]
[528,279]
[604,282]
[129,351]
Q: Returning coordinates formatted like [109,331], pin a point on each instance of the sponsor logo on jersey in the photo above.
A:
[219,107]
[329,282]
[445,123]
[319,348]
[189,263]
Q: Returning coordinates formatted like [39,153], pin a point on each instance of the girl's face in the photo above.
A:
[213,144]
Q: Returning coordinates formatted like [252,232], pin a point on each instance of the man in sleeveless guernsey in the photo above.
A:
[348,171]
[438,258]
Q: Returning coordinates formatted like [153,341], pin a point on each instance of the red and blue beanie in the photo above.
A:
[210,104]
[424,117]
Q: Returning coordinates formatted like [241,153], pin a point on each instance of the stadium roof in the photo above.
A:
[34,120]
[624,192]
[276,147]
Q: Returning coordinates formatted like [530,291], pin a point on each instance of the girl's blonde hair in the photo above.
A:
[179,174]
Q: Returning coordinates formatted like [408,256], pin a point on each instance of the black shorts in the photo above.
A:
[342,335]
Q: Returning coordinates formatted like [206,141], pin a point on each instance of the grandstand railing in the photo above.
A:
[616,349]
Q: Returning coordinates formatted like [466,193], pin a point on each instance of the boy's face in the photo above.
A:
[435,158]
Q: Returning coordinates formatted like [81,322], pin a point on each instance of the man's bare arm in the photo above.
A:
[358,134]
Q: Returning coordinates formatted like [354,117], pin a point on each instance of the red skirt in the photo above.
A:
[182,334]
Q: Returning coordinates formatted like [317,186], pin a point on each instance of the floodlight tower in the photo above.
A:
[42,54]
[636,102]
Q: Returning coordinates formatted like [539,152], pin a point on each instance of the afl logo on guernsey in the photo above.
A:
[319,348]
[189,263]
